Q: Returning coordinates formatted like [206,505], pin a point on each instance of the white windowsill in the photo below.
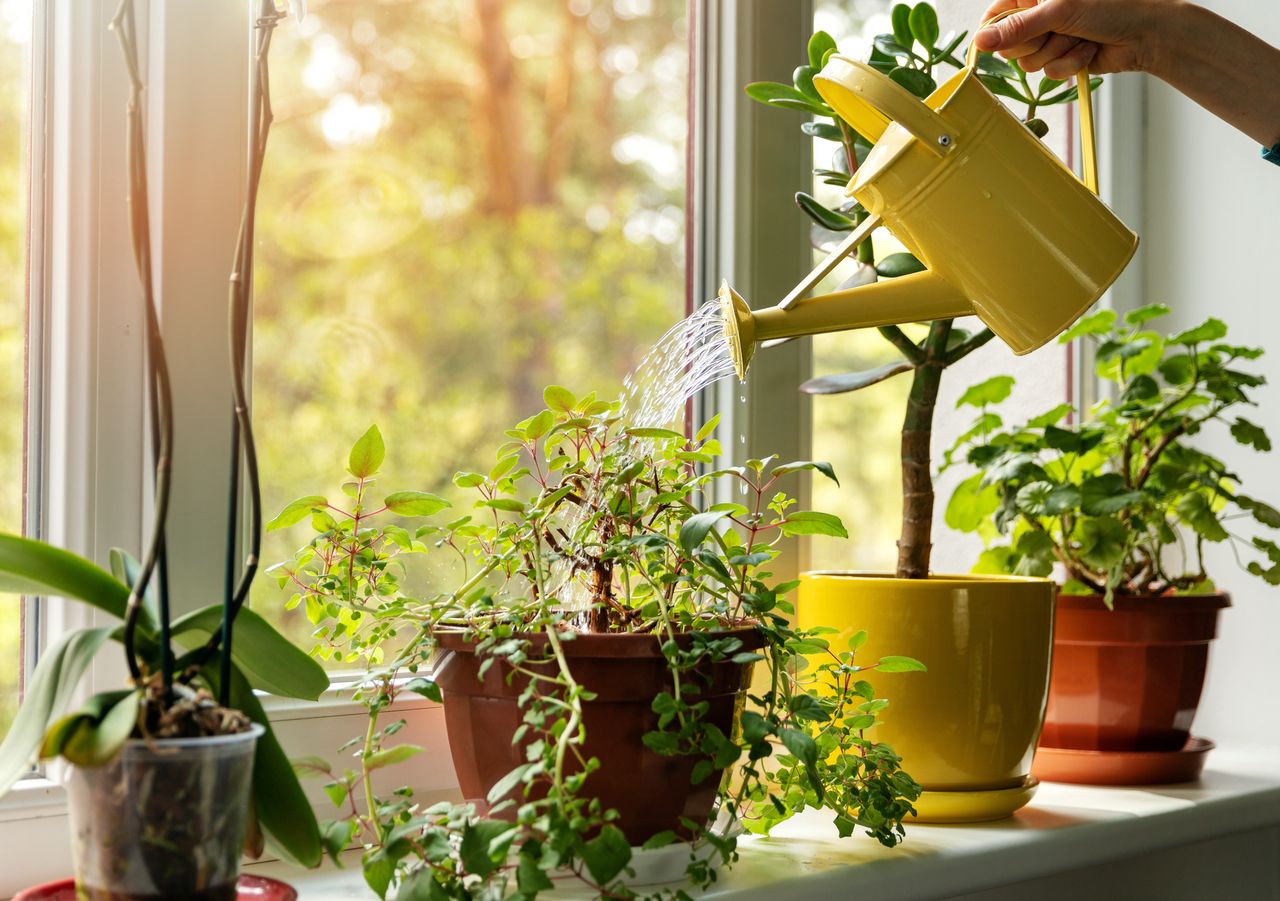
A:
[1065,828]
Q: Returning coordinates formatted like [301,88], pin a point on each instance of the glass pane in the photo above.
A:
[15,40]
[463,203]
[857,433]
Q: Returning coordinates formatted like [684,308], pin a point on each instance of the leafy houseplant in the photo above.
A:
[926,615]
[1121,504]
[594,663]
[163,772]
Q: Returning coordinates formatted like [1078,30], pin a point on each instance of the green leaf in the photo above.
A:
[1250,434]
[820,44]
[1210,330]
[992,391]
[507,783]
[468,479]
[295,512]
[1103,541]
[924,24]
[1266,514]
[784,95]
[1198,513]
[539,424]
[415,503]
[996,561]
[32,567]
[1099,323]
[896,265]
[806,751]
[126,569]
[1001,88]
[1105,494]
[378,872]
[391,756]
[695,529]
[855,381]
[655,433]
[51,687]
[558,398]
[282,808]
[367,454]
[660,840]
[901,18]
[813,523]
[1051,417]
[917,82]
[1146,314]
[270,661]
[818,465]
[991,64]
[821,214]
[427,688]
[897,664]
[971,504]
[337,835]
[530,877]
[606,855]
[95,734]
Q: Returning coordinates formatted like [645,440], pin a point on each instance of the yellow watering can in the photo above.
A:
[1005,230]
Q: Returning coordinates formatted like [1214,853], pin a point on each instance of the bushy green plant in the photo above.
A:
[584,525]
[1121,499]
[911,56]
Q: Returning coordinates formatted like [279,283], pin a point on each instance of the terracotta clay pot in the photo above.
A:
[1128,679]
[625,672]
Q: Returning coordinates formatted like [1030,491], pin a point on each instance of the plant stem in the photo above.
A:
[915,545]
[366,775]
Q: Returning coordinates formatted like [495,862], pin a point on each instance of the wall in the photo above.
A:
[1211,229]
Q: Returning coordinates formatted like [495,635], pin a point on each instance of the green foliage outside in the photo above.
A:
[13,297]
[513,216]
[1120,499]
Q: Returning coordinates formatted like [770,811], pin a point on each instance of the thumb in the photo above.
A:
[1022,27]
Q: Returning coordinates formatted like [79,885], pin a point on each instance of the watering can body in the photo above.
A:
[1005,230]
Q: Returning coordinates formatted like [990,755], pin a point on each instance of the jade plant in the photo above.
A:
[911,55]
[583,526]
[1121,500]
[187,676]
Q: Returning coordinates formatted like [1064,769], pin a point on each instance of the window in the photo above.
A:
[462,204]
[15,39]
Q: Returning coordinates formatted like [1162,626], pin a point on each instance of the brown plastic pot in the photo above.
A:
[1128,679]
[625,672]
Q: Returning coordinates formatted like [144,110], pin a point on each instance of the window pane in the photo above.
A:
[857,433]
[463,203]
[15,38]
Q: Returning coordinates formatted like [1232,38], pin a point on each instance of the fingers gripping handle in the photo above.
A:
[1088,140]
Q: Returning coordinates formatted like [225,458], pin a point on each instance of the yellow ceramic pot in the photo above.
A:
[966,729]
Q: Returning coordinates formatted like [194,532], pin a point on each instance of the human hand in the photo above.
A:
[1064,36]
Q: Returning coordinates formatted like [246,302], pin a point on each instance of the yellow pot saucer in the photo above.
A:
[973,806]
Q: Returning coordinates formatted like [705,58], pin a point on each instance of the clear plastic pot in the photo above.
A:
[163,820]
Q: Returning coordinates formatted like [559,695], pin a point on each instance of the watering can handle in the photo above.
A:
[1088,143]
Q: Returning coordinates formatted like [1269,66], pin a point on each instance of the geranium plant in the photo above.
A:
[1121,500]
[910,55]
[584,527]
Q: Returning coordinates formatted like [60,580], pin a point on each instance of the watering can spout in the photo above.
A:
[918,297]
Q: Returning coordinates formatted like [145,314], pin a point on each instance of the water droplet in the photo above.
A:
[986,195]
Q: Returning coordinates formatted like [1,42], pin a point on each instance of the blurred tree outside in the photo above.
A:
[15,38]
[464,201]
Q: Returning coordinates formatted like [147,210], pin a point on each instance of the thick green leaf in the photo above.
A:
[915,81]
[855,381]
[896,265]
[295,512]
[415,503]
[813,523]
[32,567]
[820,44]
[899,664]
[607,854]
[924,24]
[270,661]
[901,18]
[50,689]
[695,529]
[821,214]
[282,808]
[97,732]
[785,96]
[367,454]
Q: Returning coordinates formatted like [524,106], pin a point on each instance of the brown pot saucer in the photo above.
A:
[1122,767]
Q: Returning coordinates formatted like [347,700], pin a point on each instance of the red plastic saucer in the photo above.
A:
[248,888]
[1122,767]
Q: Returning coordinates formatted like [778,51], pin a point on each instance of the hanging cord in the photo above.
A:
[161,399]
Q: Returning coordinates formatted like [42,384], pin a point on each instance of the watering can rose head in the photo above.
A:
[1006,232]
